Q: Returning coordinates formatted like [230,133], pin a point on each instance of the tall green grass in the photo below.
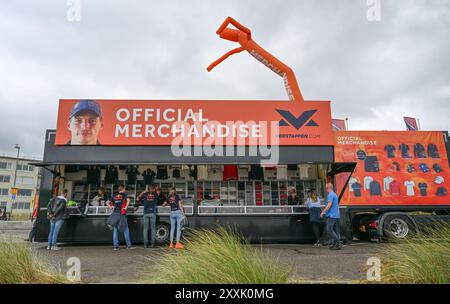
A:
[216,256]
[421,259]
[20,265]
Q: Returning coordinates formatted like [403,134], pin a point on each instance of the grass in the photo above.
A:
[19,264]
[421,259]
[213,257]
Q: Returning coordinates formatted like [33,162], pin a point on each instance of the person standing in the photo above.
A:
[176,216]
[313,204]
[293,198]
[119,203]
[150,211]
[331,212]
[56,213]
[100,199]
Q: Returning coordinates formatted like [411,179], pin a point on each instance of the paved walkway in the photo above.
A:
[99,263]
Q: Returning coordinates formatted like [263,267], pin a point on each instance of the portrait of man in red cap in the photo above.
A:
[85,123]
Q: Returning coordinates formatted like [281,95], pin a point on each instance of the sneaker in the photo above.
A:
[49,248]
[131,247]
[179,245]
[318,244]
[336,247]
[171,245]
[55,248]
[116,248]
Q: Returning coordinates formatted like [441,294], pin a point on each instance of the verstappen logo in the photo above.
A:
[297,122]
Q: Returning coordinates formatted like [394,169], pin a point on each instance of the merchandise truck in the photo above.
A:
[234,163]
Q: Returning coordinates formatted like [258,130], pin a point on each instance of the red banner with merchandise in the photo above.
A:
[394,167]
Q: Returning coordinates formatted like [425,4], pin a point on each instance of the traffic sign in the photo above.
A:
[14,191]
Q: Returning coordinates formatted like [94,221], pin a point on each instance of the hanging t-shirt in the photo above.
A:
[386,182]
[367,181]
[375,188]
[390,149]
[409,184]
[149,176]
[161,172]
[433,151]
[356,187]
[230,172]
[351,181]
[395,188]
[131,172]
[256,173]
[419,151]
[404,148]
[270,172]
[304,171]
[282,172]
[202,172]
[423,189]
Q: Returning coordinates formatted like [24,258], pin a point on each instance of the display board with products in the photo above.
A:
[394,167]
[216,184]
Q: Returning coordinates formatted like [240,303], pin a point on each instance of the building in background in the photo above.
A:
[27,181]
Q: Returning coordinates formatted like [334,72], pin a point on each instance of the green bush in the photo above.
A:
[216,256]
[20,265]
[421,259]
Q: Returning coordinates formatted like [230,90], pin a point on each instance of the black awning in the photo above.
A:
[136,155]
[337,168]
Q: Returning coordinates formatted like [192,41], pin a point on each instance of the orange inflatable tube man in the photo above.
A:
[243,36]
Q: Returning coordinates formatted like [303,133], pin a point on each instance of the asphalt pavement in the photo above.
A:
[101,264]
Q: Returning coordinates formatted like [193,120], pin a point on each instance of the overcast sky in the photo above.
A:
[373,72]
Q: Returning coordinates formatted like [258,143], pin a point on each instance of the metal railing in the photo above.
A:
[252,210]
[104,210]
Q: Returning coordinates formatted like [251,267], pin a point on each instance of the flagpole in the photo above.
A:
[346,123]
[418,123]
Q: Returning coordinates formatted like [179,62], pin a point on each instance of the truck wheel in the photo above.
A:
[397,227]
[162,233]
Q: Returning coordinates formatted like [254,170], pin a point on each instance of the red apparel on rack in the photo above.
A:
[230,172]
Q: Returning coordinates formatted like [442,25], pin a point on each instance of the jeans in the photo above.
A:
[175,218]
[116,236]
[316,230]
[55,226]
[152,218]
[333,230]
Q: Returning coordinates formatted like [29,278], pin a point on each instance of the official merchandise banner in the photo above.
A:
[394,167]
[193,123]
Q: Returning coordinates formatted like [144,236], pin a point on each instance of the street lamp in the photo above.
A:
[14,189]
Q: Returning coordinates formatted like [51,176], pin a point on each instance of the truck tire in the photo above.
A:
[397,227]
[162,233]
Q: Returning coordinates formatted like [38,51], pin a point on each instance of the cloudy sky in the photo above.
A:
[374,72]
